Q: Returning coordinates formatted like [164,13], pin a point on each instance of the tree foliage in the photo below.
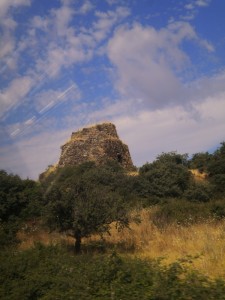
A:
[200,161]
[168,175]
[19,199]
[216,170]
[82,201]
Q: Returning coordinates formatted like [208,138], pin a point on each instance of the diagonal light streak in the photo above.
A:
[43,112]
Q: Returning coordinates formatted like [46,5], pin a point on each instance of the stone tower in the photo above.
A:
[98,143]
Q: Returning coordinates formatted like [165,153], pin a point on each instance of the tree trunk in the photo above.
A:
[77,245]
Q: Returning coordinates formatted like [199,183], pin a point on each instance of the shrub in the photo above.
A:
[167,176]
[217,209]
[8,232]
[50,273]
[199,191]
[181,212]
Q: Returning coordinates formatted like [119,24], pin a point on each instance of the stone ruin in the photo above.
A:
[98,143]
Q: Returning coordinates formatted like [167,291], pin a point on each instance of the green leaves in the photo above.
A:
[19,199]
[51,273]
[168,175]
[82,200]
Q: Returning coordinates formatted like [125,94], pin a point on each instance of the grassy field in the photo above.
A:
[203,243]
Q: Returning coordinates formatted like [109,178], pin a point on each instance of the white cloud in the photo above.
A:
[202,2]
[207,45]
[62,17]
[7,44]
[192,8]
[113,2]
[47,99]
[30,157]
[189,6]
[106,20]
[173,129]
[86,7]
[5,5]
[147,61]
[65,45]
[197,3]
[8,25]
[14,93]
[53,44]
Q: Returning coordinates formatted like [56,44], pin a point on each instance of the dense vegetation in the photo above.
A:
[50,273]
[87,199]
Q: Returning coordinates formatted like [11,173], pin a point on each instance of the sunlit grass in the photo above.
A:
[203,243]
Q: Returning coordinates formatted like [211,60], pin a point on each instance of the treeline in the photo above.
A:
[86,199]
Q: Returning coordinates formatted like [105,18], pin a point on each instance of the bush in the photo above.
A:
[180,212]
[50,273]
[19,199]
[199,191]
[8,232]
[217,209]
[200,161]
[167,176]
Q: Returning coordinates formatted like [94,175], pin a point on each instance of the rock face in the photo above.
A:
[98,143]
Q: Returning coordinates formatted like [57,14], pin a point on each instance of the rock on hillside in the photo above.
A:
[98,143]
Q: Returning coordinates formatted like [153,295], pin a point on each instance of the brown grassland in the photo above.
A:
[203,244]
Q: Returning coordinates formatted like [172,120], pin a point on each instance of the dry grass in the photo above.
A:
[205,242]
[33,233]
[198,175]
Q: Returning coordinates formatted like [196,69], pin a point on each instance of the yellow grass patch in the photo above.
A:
[204,242]
[33,233]
[198,175]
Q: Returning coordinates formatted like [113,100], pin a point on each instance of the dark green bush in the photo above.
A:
[199,191]
[50,273]
[217,209]
[8,234]
[181,212]
[167,176]
[19,199]
[200,161]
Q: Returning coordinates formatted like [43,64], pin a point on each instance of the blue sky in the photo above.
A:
[155,68]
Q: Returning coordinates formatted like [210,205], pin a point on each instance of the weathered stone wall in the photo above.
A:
[97,143]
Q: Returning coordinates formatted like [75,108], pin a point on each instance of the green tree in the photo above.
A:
[19,199]
[200,161]
[168,175]
[77,206]
[216,170]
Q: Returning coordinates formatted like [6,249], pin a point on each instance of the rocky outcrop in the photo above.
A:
[98,143]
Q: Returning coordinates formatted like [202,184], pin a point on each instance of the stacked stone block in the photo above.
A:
[98,143]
